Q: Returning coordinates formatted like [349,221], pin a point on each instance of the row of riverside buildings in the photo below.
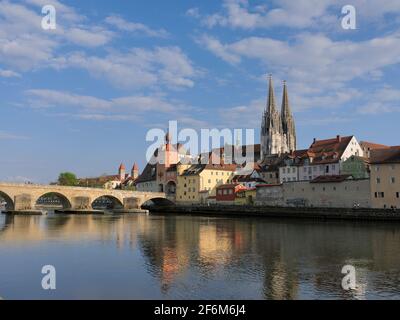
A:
[340,172]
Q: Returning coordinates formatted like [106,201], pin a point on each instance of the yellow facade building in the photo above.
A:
[246,197]
[385,178]
[201,179]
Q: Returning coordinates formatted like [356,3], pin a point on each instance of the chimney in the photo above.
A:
[338,138]
[315,140]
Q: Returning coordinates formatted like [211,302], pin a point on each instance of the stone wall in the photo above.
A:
[344,194]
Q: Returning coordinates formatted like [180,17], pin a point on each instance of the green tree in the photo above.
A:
[67,179]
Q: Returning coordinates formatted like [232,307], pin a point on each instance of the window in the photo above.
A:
[378,180]
[209,180]
[327,169]
[284,170]
[294,170]
[397,195]
[393,180]
[392,166]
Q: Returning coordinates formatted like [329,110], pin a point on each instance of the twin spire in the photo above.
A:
[271,107]
[278,133]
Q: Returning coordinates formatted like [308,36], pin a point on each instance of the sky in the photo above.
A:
[82,97]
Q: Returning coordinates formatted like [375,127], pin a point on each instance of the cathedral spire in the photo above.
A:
[288,125]
[271,107]
[286,112]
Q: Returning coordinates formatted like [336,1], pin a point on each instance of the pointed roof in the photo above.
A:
[271,97]
[122,167]
[135,167]
[286,111]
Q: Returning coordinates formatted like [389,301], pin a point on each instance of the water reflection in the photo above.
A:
[143,257]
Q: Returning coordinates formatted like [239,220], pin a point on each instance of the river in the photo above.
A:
[189,257]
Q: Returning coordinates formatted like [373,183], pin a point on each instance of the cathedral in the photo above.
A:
[278,132]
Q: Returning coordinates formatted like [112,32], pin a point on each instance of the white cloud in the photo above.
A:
[135,27]
[11,136]
[93,108]
[24,45]
[293,14]
[9,74]
[88,37]
[315,64]
[193,12]
[139,67]
[64,12]
[383,100]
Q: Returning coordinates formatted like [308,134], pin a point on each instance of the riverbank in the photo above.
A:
[283,212]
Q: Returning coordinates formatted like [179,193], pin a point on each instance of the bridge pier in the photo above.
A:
[23,202]
[81,203]
[131,203]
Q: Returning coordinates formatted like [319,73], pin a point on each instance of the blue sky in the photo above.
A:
[82,97]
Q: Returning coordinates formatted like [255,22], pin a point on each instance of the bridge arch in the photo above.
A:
[4,197]
[158,202]
[53,200]
[107,202]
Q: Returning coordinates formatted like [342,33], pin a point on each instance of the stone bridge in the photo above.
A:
[24,197]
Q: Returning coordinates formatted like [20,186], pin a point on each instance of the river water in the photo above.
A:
[189,257]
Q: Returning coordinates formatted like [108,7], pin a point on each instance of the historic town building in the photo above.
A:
[278,131]
[385,177]
[118,181]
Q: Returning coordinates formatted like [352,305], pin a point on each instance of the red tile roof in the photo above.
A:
[329,150]
[372,146]
[385,156]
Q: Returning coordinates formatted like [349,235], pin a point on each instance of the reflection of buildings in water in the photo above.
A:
[165,243]
[27,229]
[3,222]
[280,282]
[215,246]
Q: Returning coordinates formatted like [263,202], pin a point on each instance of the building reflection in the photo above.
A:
[280,259]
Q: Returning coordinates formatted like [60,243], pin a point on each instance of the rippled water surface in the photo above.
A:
[187,257]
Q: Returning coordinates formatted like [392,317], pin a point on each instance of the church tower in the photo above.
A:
[278,131]
[288,125]
[271,127]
